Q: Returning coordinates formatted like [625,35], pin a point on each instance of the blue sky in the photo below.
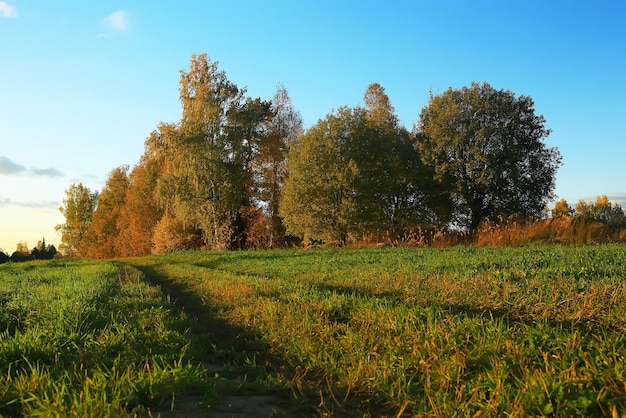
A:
[83,83]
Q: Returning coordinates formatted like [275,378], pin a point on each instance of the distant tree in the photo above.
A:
[562,208]
[43,251]
[78,208]
[22,247]
[601,211]
[51,252]
[39,250]
[486,148]
[4,257]
[21,253]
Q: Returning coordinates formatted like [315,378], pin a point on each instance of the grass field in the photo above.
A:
[461,331]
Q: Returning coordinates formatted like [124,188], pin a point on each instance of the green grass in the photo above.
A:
[449,332]
[460,331]
[89,339]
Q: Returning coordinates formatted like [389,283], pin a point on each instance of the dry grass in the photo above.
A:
[559,230]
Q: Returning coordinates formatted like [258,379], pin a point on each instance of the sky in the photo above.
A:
[83,83]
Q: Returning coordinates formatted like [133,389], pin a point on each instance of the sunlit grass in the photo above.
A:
[462,331]
[449,332]
[87,339]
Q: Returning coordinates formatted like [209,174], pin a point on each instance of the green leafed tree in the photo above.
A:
[318,201]
[395,189]
[487,150]
[78,208]
[357,173]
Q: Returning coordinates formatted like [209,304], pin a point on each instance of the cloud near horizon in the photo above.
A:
[10,167]
[48,172]
[6,10]
[42,204]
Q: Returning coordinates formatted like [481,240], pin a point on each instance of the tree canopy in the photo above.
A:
[78,208]
[356,173]
[602,210]
[240,172]
[487,150]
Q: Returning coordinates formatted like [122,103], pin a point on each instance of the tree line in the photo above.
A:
[238,172]
[41,252]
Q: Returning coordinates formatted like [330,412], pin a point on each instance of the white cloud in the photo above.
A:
[119,20]
[6,10]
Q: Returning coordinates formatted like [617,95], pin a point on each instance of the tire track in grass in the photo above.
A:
[227,352]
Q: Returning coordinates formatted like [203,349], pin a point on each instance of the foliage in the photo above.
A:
[602,210]
[486,148]
[202,183]
[102,235]
[170,234]
[238,172]
[356,173]
[318,197]
[140,213]
[78,208]
[562,208]
[268,170]
[207,158]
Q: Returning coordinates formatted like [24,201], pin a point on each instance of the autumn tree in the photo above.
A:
[208,152]
[21,253]
[601,211]
[78,208]
[486,148]
[140,213]
[562,208]
[171,234]
[102,235]
[269,169]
